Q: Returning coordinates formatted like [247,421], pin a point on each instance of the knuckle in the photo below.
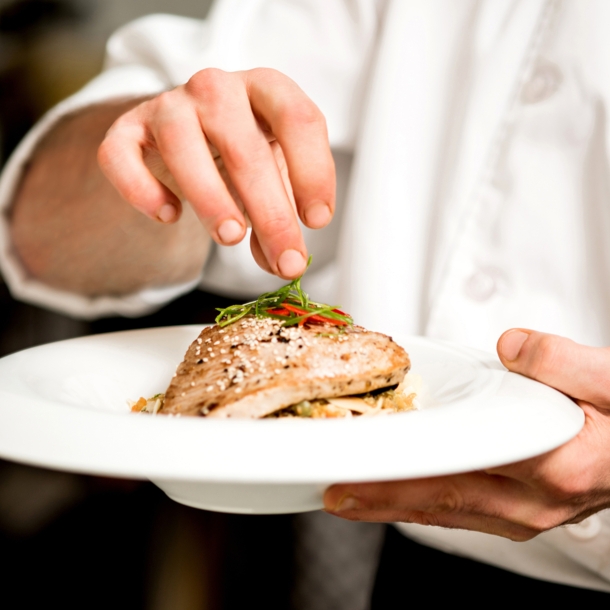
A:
[301,112]
[109,151]
[269,76]
[164,102]
[268,73]
[118,130]
[448,500]
[423,518]
[209,83]
[276,225]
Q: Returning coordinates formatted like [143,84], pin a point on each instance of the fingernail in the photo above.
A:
[317,215]
[347,502]
[230,231]
[167,212]
[511,344]
[291,263]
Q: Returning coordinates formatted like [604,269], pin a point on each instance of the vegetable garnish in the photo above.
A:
[290,304]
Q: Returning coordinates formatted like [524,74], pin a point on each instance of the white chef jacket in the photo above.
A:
[471,141]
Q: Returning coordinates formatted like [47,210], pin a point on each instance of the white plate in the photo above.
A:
[64,406]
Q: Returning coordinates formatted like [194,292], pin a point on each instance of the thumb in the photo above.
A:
[576,370]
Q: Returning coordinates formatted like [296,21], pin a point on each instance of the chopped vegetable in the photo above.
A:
[150,405]
[139,405]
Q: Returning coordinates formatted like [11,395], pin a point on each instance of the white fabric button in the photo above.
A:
[480,286]
[544,81]
[585,530]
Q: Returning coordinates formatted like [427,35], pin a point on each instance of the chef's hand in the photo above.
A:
[520,500]
[229,142]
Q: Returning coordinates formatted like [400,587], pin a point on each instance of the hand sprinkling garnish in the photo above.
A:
[290,304]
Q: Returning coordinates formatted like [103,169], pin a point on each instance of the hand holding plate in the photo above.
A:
[520,500]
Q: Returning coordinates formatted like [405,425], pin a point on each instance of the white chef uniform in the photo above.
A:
[478,197]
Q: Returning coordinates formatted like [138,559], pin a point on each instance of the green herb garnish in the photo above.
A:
[290,304]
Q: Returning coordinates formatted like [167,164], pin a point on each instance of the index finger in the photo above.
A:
[472,500]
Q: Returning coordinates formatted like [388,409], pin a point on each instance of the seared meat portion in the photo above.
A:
[254,367]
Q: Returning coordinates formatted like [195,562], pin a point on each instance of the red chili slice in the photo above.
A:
[314,317]
[278,312]
[331,321]
[294,309]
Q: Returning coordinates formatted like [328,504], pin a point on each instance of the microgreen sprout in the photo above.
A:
[290,304]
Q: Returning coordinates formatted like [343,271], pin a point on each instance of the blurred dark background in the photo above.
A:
[88,542]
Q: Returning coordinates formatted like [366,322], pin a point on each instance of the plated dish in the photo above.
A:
[256,368]
[284,355]
[64,406]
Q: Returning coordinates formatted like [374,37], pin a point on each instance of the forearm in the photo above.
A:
[73,231]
